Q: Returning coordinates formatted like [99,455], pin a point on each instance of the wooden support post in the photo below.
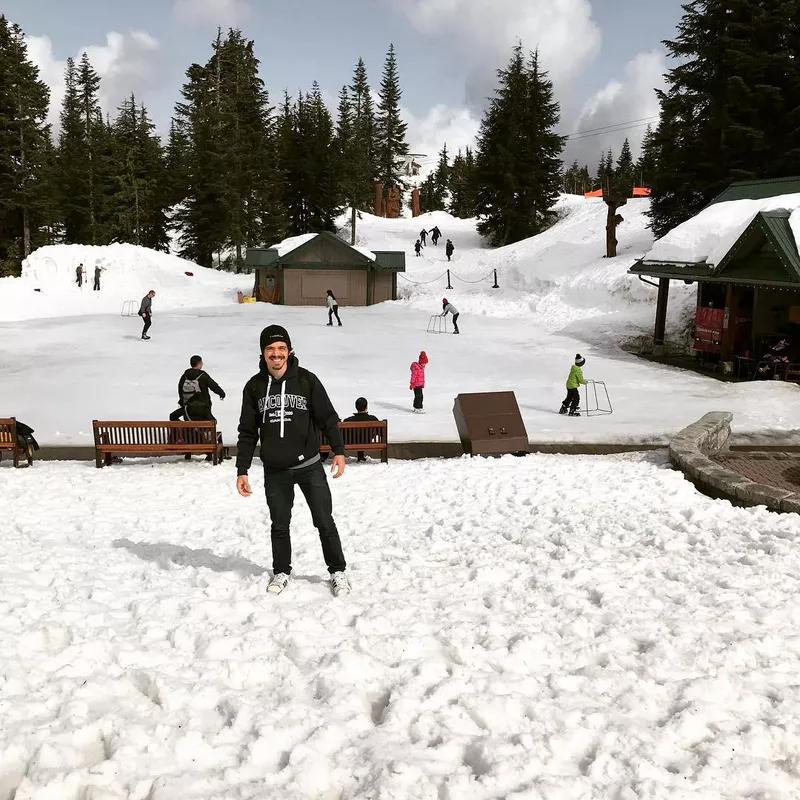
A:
[661,317]
[728,323]
[612,220]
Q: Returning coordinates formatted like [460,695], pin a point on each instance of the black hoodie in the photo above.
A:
[206,383]
[285,413]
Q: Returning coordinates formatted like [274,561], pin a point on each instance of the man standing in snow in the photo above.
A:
[284,405]
[449,308]
[146,312]
[436,234]
[98,271]
[448,249]
[79,275]
[418,248]
[423,237]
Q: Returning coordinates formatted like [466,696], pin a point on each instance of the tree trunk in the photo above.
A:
[612,221]
[353,224]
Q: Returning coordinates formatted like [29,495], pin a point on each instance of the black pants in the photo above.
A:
[192,413]
[279,489]
[331,312]
[79,281]
[455,322]
[573,399]
[417,397]
[147,323]
[96,286]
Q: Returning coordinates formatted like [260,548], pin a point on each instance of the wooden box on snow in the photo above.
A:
[489,423]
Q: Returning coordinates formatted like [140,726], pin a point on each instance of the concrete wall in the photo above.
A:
[691,451]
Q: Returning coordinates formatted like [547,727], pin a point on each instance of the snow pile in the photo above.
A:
[292,243]
[709,235]
[47,287]
[558,278]
[546,627]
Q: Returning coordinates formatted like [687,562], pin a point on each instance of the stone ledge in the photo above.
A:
[692,451]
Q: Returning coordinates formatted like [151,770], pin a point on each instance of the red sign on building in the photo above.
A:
[708,326]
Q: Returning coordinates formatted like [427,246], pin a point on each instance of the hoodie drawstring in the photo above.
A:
[283,403]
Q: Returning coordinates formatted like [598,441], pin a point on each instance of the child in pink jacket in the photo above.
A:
[418,381]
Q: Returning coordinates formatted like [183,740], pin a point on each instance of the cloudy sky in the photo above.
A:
[604,56]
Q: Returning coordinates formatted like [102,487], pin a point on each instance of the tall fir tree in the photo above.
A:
[731,109]
[26,207]
[624,171]
[646,165]
[233,187]
[365,151]
[390,130]
[435,188]
[139,203]
[518,166]
[602,176]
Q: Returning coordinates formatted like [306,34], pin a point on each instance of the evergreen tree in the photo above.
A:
[233,187]
[317,132]
[731,110]
[73,163]
[95,140]
[434,189]
[646,165]
[176,158]
[364,151]
[390,130]
[602,176]
[624,172]
[25,203]
[518,169]
[140,199]
[462,185]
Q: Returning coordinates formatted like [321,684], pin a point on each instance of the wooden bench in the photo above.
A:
[8,441]
[155,439]
[362,436]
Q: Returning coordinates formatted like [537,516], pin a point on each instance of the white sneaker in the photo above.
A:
[419,410]
[278,583]
[340,584]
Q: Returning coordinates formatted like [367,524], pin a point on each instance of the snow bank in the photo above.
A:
[292,243]
[47,287]
[709,235]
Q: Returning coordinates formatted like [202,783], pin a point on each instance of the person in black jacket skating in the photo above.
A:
[284,405]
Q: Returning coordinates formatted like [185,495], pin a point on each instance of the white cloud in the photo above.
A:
[455,127]
[481,35]
[126,63]
[631,98]
[224,13]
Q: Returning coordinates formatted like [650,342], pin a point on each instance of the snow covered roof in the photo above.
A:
[295,242]
[708,236]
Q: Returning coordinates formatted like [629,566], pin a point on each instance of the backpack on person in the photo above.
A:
[190,388]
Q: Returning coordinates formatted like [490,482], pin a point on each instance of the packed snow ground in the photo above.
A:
[546,627]
[71,358]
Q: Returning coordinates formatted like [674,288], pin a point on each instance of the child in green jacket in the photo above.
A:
[575,379]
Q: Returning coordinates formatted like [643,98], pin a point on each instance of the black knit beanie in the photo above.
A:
[272,334]
[579,359]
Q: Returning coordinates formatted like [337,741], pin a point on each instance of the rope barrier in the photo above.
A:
[464,280]
[422,283]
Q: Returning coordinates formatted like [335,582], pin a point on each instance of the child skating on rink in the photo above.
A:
[575,379]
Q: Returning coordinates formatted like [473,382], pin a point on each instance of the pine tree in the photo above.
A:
[365,151]
[602,177]
[434,189]
[233,197]
[25,202]
[324,193]
[73,164]
[623,174]
[176,159]
[646,165]
[732,107]
[139,201]
[390,130]
[95,142]
[518,169]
